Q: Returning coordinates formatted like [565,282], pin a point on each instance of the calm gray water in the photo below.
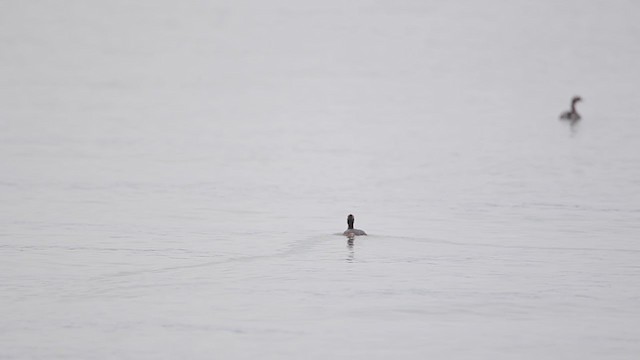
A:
[173,176]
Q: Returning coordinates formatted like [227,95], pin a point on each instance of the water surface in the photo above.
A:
[173,177]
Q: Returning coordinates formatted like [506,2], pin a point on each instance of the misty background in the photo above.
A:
[173,176]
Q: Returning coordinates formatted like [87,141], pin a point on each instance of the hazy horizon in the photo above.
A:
[174,175]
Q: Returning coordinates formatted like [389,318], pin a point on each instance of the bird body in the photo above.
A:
[351,232]
[572,114]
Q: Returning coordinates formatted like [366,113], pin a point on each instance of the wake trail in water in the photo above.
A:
[523,247]
[296,247]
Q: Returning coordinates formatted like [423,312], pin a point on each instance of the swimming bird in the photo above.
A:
[350,232]
[572,114]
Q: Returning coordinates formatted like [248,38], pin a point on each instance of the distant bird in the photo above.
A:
[572,114]
[351,232]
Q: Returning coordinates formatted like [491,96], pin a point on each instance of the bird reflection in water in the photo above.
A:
[573,125]
[350,254]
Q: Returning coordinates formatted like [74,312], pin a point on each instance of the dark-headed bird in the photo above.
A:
[351,232]
[572,114]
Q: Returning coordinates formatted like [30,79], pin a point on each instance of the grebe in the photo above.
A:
[572,114]
[351,231]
